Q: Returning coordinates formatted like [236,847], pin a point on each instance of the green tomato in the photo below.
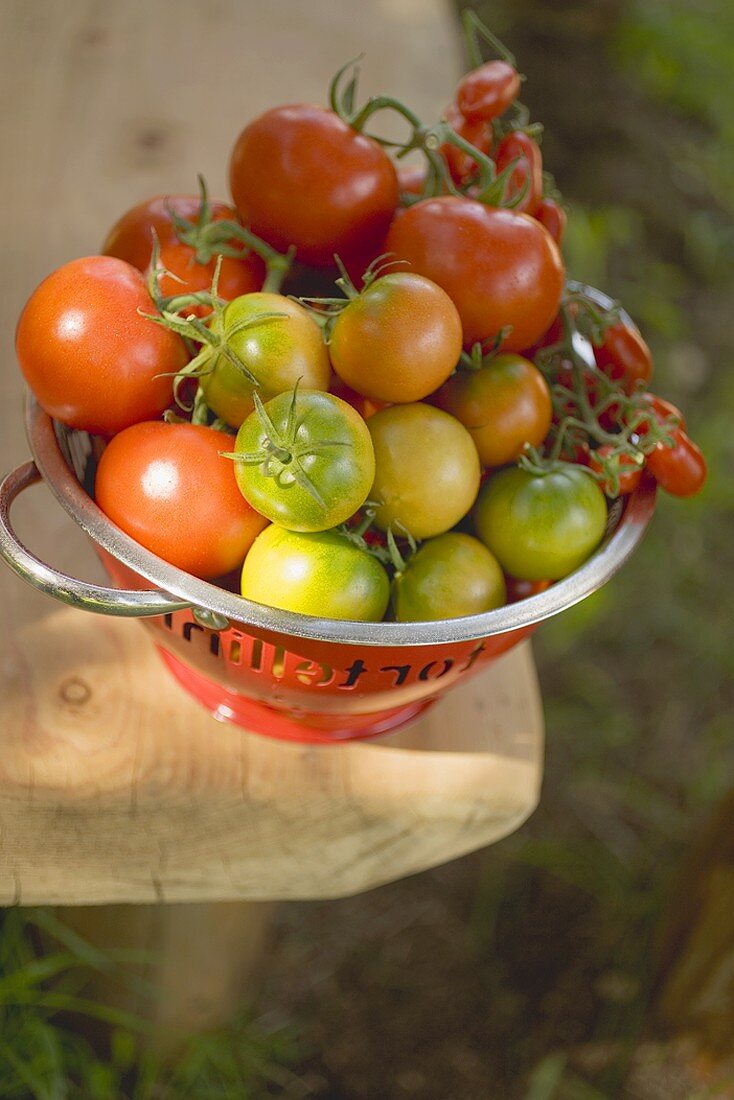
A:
[541,526]
[278,351]
[426,469]
[305,460]
[449,576]
[319,574]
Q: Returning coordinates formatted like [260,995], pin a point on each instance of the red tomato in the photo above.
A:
[461,166]
[521,590]
[301,176]
[500,268]
[628,476]
[527,175]
[236,277]
[681,469]
[90,357]
[553,217]
[624,357]
[411,179]
[661,410]
[169,488]
[131,238]
[486,93]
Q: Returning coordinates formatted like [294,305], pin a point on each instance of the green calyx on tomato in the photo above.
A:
[316,573]
[305,460]
[448,577]
[541,525]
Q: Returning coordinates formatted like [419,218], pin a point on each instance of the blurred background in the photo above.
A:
[591,955]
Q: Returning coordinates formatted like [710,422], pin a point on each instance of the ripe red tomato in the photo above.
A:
[503,406]
[522,590]
[301,176]
[486,92]
[527,175]
[629,472]
[90,357]
[462,166]
[131,237]
[236,276]
[411,179]
[681,469]
[168,487]
[553,217]
[398,340]
[501,269]
[661,410]
[624,357]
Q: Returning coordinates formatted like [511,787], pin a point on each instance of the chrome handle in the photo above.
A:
[90,597]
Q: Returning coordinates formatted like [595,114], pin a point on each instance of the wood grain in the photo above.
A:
[113,785]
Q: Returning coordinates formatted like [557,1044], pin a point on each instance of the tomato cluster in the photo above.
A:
[359,385]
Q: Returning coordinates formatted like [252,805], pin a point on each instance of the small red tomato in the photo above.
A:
[411,179]
[661,410]
[624,357]
[526,177]
[169,488]
[459,163]
[301,176]
[628,476]
[521,590]
[553,217]
[90,357]
[486,93]
[681,469]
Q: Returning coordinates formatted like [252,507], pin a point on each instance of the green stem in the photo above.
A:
[476,31]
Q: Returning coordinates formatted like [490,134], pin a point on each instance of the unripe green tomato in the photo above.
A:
[449,576]
[319,574]
[426,469]
[541,526]
[331,447]
[279,351]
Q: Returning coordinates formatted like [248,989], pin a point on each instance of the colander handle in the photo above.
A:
[90,597]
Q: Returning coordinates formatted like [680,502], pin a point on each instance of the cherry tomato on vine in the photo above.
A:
[448,576]
[319,573]
[503,405]
[681,469]
[526,178]
[301,176]
[426,469]
[89,356]
[624,357]
[541,526]
[305,460]
[502,270]
[661,410]
[486,92]
[131,237]
[397,340]
[459,163]
[552,217]
[168,487]
[279,351]
[629,472]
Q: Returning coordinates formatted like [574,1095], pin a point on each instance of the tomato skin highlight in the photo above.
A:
[280,352]
[541,527]
[448,576]
[503,405]
[169,488]
[487,91]
[299,175]
[341,466]
[398,341]
[498,267]
[319,573]
[92,361]
[681,469]
[426,469]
